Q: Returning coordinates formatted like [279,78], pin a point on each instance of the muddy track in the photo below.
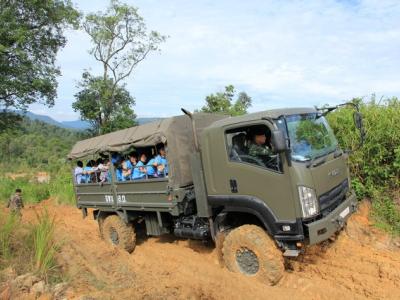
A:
[362,263]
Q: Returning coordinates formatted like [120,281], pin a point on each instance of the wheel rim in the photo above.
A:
[114,236]
[247,261]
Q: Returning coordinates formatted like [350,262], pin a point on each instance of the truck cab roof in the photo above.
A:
[272,114]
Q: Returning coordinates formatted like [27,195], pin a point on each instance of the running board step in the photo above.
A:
[291,253]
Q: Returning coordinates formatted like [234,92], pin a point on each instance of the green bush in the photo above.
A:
[375,167]
[31,192]
[377,163]
[61,186]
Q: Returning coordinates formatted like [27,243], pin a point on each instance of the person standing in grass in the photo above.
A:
[15,203]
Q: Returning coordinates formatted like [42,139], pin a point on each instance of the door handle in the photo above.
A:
[233,184]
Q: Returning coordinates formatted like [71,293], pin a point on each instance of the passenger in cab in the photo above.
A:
[139,172]
[78,172]
[258,147]
[161,162]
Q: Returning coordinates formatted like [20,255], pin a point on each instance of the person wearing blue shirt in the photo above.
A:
[128,165]
[161,163]
[139,172]
[118,173]
[86,172]
[152,168]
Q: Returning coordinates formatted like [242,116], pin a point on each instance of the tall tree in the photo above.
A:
[31,34]
[120,42]
[92,108]
[223,102]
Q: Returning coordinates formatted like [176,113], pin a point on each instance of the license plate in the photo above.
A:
[344,213]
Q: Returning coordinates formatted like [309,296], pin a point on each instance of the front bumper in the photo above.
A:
[321,230]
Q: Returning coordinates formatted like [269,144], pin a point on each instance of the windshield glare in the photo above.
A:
[310,136]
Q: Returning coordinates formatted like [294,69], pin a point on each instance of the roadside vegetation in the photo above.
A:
[29,248]
[36,147]
[375,167]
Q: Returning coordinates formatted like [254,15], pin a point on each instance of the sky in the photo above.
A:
[281,53]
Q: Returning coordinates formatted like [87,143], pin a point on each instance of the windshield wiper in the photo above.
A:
[314,163]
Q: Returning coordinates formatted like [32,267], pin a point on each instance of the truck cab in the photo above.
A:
[299,195]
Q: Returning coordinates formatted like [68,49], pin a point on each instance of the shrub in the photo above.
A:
[375,167]
[43,244]
[377,163]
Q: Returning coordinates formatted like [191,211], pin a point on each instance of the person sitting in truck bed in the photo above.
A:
[119,171]
[161,162]
[151,168]
[104,168]
[139,172]
[78,172]
[128,165]
[87,171]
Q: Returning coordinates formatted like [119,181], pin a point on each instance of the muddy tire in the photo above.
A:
[219,244]
[119,234]
[249,250]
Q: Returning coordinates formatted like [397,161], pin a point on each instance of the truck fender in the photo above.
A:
[253,206]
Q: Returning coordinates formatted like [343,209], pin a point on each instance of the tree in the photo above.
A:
[31,34]
[93,104]
[222,102]
[120,42]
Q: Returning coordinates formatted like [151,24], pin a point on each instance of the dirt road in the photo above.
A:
[362,263]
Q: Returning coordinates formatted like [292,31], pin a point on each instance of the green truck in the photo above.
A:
[261,186]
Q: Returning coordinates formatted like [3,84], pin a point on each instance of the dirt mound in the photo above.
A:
[362,263]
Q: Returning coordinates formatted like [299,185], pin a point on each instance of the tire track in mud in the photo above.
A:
[362,263]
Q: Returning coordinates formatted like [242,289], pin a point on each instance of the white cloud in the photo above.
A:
[287,53]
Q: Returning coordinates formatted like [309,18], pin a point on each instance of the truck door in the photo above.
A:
[237,167]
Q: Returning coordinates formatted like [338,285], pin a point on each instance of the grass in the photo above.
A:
[59,188]
[6,234]
[44,247]
[29,247]
[386,213]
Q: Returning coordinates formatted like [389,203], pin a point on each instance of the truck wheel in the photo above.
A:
[219,243]
[249,250]
[119,234]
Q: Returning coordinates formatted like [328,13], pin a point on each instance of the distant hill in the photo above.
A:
[78,124]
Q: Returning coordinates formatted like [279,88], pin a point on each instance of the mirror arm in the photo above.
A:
[327,110]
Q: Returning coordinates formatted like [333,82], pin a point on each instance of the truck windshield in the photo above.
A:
[310,136]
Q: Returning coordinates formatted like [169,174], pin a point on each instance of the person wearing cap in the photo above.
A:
[15,203]
[257,146]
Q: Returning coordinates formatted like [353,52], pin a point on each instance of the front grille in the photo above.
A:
[332,199]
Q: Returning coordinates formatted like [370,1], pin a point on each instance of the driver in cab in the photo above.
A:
[258,147]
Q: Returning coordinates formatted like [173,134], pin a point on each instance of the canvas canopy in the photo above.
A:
[177,131]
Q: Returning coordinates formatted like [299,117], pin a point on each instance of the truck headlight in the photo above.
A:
[308,201]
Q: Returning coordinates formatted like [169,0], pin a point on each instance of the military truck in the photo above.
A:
[257,210]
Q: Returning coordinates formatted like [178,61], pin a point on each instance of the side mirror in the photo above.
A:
[278,141]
